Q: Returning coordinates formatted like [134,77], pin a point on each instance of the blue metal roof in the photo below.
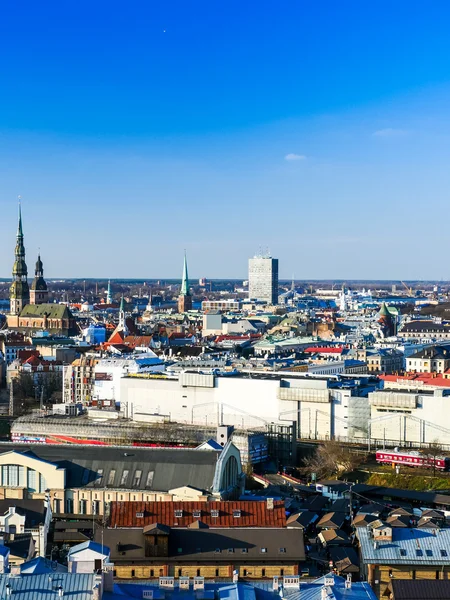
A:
[251,590]
[425,547]
[89,544]
[78,586]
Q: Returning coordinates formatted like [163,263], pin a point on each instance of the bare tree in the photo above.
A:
[331,458]
[433,451]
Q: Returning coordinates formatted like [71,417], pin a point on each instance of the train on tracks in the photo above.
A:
[412,459]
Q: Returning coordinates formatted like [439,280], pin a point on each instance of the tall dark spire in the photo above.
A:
[19,292]
[38,290]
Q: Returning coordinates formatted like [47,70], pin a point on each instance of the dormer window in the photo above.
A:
[197,514]
[214,513]
[237,514]
[178,513]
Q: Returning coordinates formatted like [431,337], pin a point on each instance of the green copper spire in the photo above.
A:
[185,281]
[121,309]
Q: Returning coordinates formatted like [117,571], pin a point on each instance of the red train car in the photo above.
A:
[412,459]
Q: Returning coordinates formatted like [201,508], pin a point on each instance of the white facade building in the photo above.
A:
[248,401]
[109,372]
[263,279]
[416,417]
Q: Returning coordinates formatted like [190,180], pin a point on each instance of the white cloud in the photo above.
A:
[293,156]
[389,132]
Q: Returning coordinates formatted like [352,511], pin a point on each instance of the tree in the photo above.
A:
[331,458]
[433,451]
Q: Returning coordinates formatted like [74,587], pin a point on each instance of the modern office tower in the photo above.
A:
[263,279]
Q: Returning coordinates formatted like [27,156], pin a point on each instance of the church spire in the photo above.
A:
[185,280]
[19,293]
[185,298]
[108,294]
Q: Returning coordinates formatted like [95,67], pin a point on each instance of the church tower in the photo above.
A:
[39,291]
[185,298]
[19,293]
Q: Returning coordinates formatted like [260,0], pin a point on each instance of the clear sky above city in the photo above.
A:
[133,130]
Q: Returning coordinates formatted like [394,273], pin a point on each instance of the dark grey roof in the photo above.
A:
[202,544]
[430,352]
[344,558]
[423,325]
[420,589]
[429,498]
[33,510]
[171,468]
[302,519]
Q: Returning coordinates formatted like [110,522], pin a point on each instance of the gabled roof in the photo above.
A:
[76,586]
[90,545]
[183,514]
[52,311]
[331,520]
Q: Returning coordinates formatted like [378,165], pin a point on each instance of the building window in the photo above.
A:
[413,575]
[123,480]
[244,550]
[263,550]
[99,478]
[111,477]
[214,513]
[152,572]
[137,478]
[150,479]
[282,572]
[178,514]
[217,572]
[282,550]
[236,514]
[133,573]
[437,574]
[263,572]
[196,514]
[245,572]
[198,572]
[180,572]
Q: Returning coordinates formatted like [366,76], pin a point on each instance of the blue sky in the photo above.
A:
[318,129]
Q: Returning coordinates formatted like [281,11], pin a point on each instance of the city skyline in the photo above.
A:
[319,131]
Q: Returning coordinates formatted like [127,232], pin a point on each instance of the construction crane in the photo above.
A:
[408,289]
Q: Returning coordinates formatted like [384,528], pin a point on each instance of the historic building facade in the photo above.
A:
[30,310]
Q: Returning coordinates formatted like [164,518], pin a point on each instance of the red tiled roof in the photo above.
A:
[425,378]
[323,350]
[134,341]
[253,514]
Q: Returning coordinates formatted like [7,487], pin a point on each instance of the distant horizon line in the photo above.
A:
[235,279]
